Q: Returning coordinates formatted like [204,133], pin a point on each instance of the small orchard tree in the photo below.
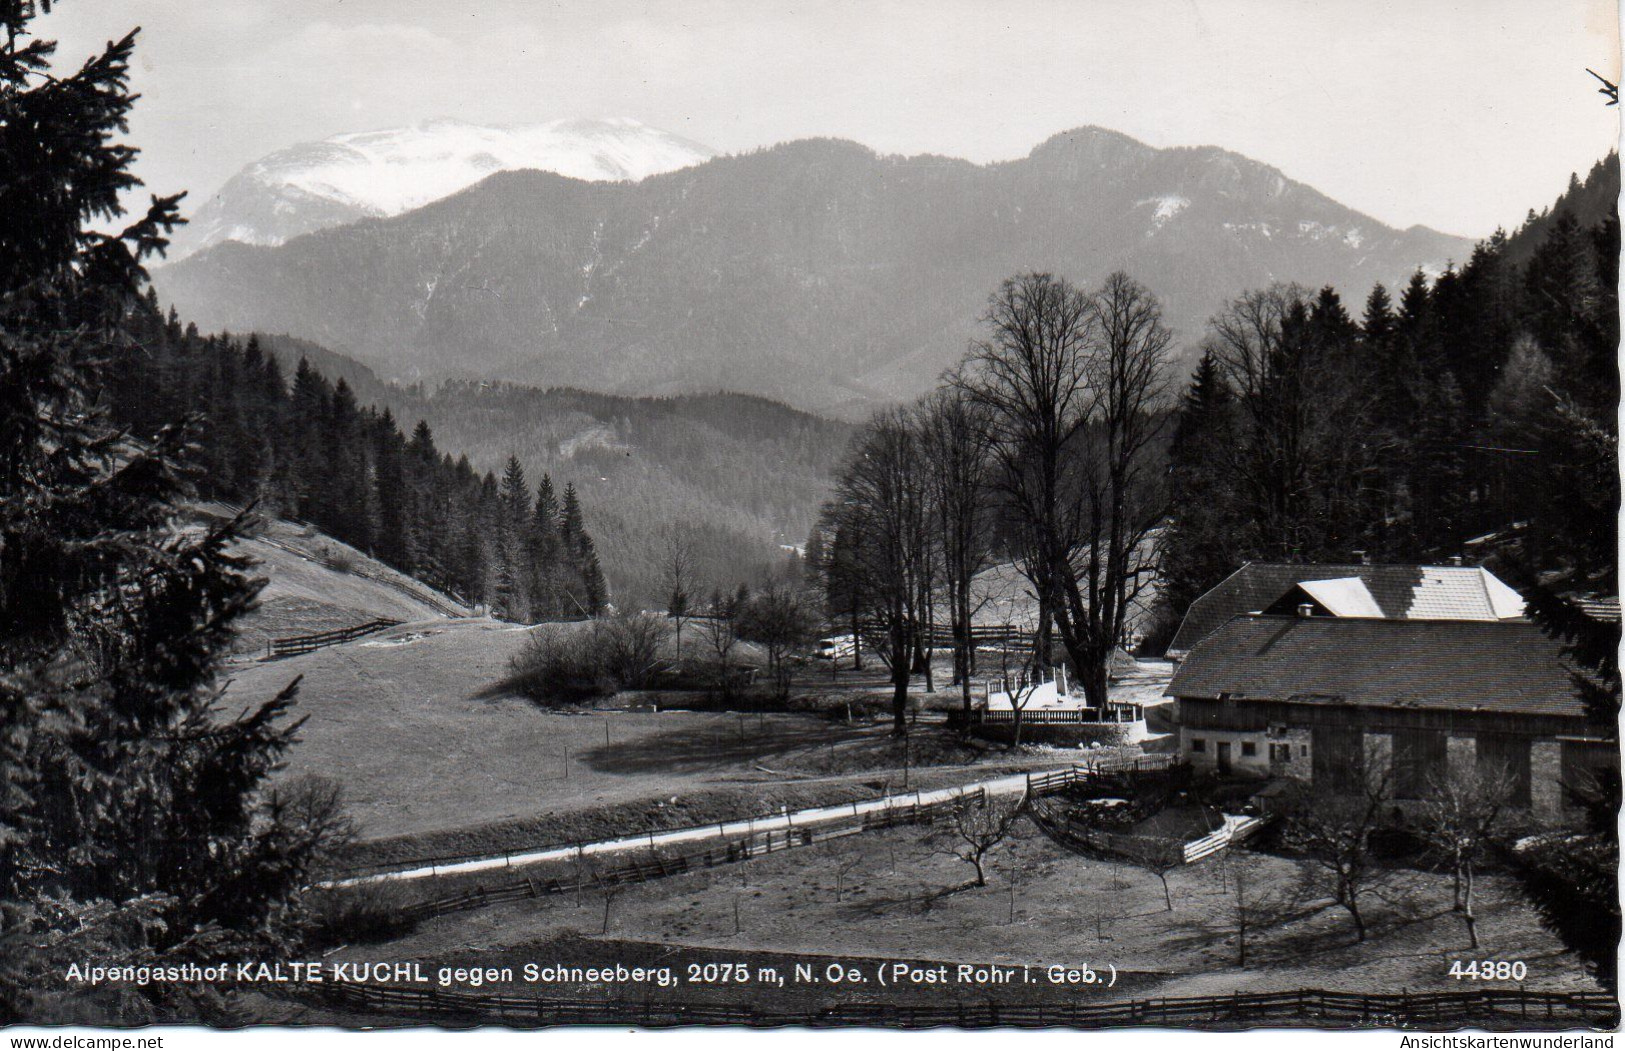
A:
[1251,903]
[1158,857]
[1021,694]
[1463,814]
[976,826]
[1332,829]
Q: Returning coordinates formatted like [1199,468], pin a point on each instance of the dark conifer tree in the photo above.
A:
[513,549]
[389,457]
[546,552]
[1199,548]
[133,816]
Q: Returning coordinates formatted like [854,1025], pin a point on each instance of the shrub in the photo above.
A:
[560,663]
[573,663]
[628,645]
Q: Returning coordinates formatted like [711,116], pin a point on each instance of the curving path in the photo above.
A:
[1009,785]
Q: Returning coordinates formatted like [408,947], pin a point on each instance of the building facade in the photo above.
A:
[1319,700]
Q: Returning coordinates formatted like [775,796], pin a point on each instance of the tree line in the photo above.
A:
[306,449]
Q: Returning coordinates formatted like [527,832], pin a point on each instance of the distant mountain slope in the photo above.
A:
[816,273]
[742,476]
[314,185]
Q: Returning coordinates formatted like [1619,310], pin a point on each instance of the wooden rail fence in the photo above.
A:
[1094,770]
[1114,713]
[658,866]
[1507,1008]
[296,644]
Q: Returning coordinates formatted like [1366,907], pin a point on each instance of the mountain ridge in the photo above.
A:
[816,272]
[311,186]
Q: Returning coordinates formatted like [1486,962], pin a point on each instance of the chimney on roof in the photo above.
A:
[1363,557]
[1305,609]
[1457,560]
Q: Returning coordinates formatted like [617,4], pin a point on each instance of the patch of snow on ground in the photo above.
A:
[1167,206]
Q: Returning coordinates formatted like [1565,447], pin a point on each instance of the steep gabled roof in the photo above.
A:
[1492,666]
[1399,592]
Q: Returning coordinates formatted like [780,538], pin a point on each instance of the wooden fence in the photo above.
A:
[1092,771]
[1232,833]
[939,637]
[297,644]
[658,866]
[1502,1008]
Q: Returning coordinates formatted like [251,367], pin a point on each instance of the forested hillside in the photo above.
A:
[739,477]
[1482,402]
[306,448]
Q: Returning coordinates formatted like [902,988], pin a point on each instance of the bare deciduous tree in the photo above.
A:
[1251,902]
[978,825]
[1157,857]
[1071,385]
[1020,691]
[720,631]
[780,621]
[954,434]
[629,645]
[1333,830]
[880,515]
[679,581]
[1462,814]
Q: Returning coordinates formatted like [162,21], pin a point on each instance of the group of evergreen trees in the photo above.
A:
[306,449]
[1307,435]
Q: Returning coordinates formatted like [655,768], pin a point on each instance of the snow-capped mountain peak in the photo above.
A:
[380,173]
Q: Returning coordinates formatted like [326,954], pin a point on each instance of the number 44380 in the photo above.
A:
[1489,970]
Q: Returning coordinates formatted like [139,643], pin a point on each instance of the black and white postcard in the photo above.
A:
[985,514]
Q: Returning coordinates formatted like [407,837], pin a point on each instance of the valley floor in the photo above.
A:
[437,757]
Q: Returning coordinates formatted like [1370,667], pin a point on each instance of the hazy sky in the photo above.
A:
[1457,115]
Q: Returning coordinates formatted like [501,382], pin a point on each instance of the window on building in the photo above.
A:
[1280,753]
[1198,745]
[1249,748]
